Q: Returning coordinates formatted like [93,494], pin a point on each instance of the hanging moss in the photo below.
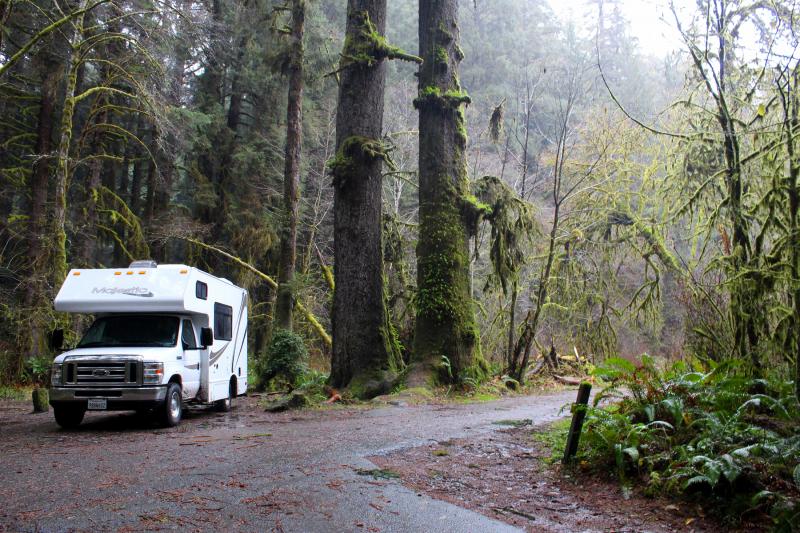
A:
[368,47]
[461,131]
[496,122]
[353,151]
[512,220]
[474,211]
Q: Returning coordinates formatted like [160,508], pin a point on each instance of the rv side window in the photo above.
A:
[201,290]
[187,336]
[223,322]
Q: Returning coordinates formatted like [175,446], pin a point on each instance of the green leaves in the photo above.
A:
[689,428]
[614,368]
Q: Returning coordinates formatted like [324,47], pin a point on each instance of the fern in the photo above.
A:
[698,427]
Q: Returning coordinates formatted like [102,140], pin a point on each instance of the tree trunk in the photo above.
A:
[37,222]
[140,165]
[64,168]
[365,356]
[291,174]
[447,336]
[88,250]
[744,303]
[791,128]
[512,319]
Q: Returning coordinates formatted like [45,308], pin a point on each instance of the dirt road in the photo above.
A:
[243,471]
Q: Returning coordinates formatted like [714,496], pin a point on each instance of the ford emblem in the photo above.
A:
[100,372]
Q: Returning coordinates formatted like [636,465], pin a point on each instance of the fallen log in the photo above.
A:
[569,380]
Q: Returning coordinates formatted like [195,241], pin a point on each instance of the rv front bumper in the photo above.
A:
[117,398]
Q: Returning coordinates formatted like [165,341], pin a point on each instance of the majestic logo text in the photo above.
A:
[129,291]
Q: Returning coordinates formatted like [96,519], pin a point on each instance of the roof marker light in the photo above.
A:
[142,272]
[184,271]
[129,272]
[117,273]
[76,273]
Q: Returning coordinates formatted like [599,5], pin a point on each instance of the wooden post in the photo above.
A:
[578,414]
[40,400]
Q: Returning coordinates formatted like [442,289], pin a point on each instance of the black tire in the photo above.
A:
[69,417]
[172,410]
[225,406]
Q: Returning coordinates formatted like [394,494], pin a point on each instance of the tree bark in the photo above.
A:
[791,103]
[88,250]
[447,337]
[140,165]
[291,174]
[37,224]
[35,290]
[365,356]
[64,168]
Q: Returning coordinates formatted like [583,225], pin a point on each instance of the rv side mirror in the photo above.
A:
[206,337]
[56,339]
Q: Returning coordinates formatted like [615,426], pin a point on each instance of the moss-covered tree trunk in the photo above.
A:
[365,354]
[791,104]
[446,340]
[291,174]
[64,166]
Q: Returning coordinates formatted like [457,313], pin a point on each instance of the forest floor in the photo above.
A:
[434,467]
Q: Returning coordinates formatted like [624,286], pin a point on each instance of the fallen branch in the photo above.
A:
[569,380]
[514,511]
[315,324]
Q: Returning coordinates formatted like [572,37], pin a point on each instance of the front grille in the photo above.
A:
[99,392]
[99,373]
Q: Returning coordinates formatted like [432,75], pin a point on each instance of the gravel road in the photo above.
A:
[242,471]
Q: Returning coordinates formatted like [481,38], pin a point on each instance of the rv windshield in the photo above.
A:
[132,330]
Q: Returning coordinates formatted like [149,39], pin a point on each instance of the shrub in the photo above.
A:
[704,429]
[285,362]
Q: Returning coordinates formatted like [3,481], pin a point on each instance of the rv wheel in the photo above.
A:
[69,417]
[172,409]
[224,406]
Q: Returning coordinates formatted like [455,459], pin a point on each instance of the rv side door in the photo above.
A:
[191,359]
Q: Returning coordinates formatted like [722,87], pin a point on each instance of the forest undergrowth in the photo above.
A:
[701,430]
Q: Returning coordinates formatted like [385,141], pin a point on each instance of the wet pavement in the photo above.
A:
[242,471]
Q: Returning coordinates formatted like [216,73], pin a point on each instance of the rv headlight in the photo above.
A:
[55,374]
[153,372]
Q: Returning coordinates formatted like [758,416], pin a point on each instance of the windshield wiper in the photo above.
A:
[153,344]
[96,344]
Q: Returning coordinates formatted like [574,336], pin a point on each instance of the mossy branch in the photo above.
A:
[315,324]
[367,47]
[110,203]
[434,97]
[621,217]
[44,32]
[354,151]
[327,272]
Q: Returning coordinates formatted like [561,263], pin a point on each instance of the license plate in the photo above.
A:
[98,404]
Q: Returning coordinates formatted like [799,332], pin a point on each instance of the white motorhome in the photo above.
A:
[163,336]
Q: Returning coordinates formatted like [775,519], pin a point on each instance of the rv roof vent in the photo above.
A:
[146,263]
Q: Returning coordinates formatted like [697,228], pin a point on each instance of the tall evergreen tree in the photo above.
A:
[447,338]
[291,174]
[366,356]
